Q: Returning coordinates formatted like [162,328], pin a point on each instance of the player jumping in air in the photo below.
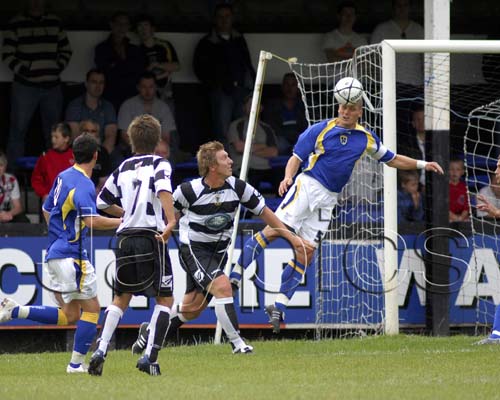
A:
[327,151]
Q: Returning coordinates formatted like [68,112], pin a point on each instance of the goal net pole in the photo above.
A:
[252,122]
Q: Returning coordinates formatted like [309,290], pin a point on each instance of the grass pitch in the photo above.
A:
[402,367]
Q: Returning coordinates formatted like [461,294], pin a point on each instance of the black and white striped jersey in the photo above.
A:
[208,214]
[134,186]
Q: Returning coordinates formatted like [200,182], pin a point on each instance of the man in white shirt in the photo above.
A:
[400,26]
[340,43]
[146,102]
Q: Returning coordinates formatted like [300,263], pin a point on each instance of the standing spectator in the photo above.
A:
[102,168]
[161,58]
[264,146]
[92,106]
[146,102]
[11,208]
[54,161]
[459,203]
[491,193]
[121,61]
[400,26]
[222,63]
[286,114]
[410,198]
[340,43]
[37,50]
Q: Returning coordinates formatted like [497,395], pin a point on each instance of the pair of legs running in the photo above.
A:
[204,280]
[76,305]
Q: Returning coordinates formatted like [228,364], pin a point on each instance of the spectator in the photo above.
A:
[11,209]
[459,204]
[264,146]
[37,50]
[121,61]
[222,63]
[413,143]
[286,115]
[491,193]
[102,168]
[400,26]
[54,161]
[162,149]
[92,106]
[161,58]
[146,102]
[340,43]
[410,198]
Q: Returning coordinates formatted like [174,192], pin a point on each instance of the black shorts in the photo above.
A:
[143,265]
[203,263]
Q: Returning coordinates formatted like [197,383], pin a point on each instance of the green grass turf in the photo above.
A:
[402,367]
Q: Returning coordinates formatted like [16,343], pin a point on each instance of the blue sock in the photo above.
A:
[251,250]
[43,314]
[86,329]
[291,278]
[496,324]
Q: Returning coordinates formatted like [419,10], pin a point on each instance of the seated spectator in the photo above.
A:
[162,149]
[413,143]
[459,203]
[146,102]
[122,150]
[264,146]
[54,161]
[11,208]
[91,106]
[223,65]
[491,193]
[410,198]
[121,61]
[286,115]
[340,43]
[161,58]
[102,167]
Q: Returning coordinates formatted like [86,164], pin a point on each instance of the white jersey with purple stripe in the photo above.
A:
[329,152]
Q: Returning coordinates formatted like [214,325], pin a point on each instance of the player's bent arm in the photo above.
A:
[167,203]
[292,166]
[408,163]
[101,223]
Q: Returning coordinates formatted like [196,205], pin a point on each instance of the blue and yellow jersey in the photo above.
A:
[329,152]
[71,198]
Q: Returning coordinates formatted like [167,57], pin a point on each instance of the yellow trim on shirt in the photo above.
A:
[319,148]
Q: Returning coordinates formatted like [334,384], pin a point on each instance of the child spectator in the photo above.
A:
[459,204]
[410,199]
[54,161]
[11,209]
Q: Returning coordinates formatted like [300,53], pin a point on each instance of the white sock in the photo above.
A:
[113,316]
[226,314]
[77,358]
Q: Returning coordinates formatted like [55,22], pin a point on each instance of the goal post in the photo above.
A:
[364,231]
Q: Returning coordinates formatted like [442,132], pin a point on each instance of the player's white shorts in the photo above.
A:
[73,280]
[307,208]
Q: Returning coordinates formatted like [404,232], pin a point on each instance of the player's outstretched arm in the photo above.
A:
[404,162]
[102,223]
[292,166]
[279,227]
[484,205]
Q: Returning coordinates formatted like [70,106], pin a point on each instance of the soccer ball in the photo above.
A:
[348,91]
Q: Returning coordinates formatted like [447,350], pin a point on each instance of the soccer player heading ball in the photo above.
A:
[327,152]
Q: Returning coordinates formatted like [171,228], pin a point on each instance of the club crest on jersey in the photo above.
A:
[343,140]
[217,222]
